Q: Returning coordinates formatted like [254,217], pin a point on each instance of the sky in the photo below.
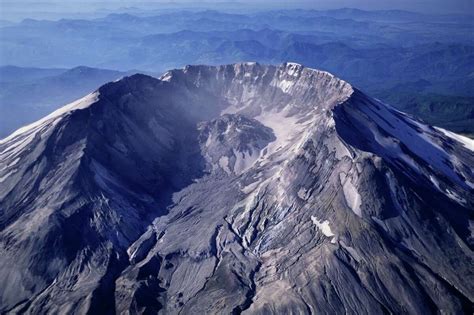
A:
[52,9]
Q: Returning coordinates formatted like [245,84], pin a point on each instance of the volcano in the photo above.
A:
[241,188]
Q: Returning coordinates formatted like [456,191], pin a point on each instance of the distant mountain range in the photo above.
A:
[370,49]
[120,41]
[386,53]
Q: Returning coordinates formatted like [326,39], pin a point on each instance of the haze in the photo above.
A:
[18,10]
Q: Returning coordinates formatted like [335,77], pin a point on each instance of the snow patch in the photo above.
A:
[352,196]
[465,141]
[324,227]
[166,77]
[435,182]
[455,197]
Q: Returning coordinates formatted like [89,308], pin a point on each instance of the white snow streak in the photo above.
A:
[79,104]
[465,141]
[352,196]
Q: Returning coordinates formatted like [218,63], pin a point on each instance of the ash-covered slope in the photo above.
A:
[238,188]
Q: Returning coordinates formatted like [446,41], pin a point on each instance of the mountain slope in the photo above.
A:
[27,94]
[238,188]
